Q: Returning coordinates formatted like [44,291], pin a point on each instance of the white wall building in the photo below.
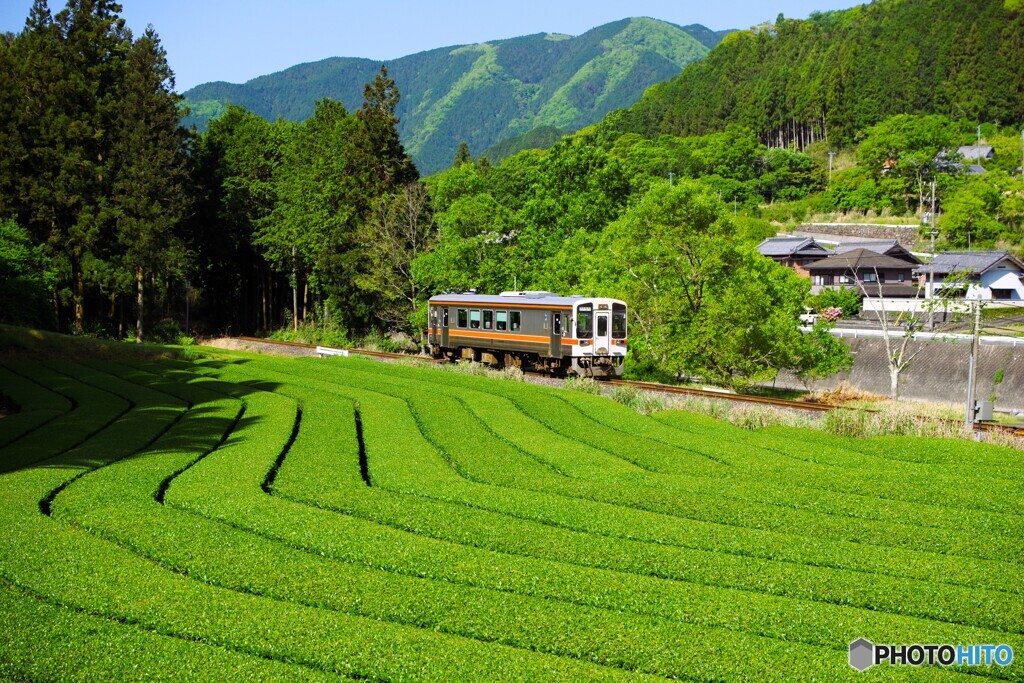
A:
[984,275]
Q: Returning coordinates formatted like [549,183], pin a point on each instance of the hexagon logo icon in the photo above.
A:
[862,654]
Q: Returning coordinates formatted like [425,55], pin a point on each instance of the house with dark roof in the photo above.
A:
[983,275]
[876,274]
[793,252]
[887,247]
[976,152]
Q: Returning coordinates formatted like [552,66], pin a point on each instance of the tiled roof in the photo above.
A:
[976,262]
[857,259]
[975,151]
[889,247]
[791,246]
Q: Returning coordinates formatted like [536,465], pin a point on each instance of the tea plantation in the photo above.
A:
[254,518]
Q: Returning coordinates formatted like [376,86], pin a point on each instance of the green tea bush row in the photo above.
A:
[116,502]
[494,531]
[82,571]
[407,583]
[36,406]
[214,497]
[93,410]
[691,497]
[44,641]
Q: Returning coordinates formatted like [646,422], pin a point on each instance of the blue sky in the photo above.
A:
[236,40]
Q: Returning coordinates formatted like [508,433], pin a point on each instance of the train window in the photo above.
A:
[618,321]
[488,320]
[558,324]
[444,317]
[501,321]
[462,317]
[602,325]
[515,320]
[474,320]
[585,322]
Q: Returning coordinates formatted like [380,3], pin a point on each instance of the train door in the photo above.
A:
[443,332]
[602,333]
[555,329]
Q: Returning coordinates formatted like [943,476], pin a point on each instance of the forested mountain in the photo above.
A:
[837,73]
[482,93]
[538,138]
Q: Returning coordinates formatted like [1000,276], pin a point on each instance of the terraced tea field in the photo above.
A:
[254,518]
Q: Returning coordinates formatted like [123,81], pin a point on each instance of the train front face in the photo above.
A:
[599,344]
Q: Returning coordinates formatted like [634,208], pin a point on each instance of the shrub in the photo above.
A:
[587,385]
[848,300]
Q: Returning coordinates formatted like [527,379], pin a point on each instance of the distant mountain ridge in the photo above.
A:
[482,93]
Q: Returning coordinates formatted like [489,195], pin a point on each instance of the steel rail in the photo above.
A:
[808,407]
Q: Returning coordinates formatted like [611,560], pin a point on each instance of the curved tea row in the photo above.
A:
[260,518]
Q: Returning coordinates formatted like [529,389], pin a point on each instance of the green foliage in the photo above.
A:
[969,211]
[849,300]
[94,163]
[541,137]
[835,74]
[821,355]
[462,156]
[26,277]
[702,303]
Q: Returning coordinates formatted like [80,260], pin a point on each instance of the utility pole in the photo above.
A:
[670,174]
[832,155]
[1022,154]
[734,205]
[972,369]
[931,265]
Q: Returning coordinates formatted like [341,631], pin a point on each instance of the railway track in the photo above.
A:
[723,396]
[1015,430]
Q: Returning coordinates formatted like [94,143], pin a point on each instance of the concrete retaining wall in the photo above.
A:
[906,234]
[938,373]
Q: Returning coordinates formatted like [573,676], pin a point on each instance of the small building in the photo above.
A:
[887,247]
[793,252]
[865,270]
[981,275]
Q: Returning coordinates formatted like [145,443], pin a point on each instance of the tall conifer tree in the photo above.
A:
[148,192]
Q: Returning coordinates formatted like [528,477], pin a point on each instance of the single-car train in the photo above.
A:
[538,330]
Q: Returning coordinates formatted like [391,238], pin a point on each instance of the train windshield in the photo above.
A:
[585,322]
[618,321]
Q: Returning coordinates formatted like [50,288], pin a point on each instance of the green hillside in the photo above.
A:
[538,138]
[837,73]
[255,518]
[482,93]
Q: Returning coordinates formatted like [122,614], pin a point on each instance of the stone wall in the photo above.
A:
[938,373]
[906,234]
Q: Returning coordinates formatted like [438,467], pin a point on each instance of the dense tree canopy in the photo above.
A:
[837,73]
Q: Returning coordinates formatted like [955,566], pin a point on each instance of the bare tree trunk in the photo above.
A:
[138,304]
[894,381]
[305,298]
[295,307]
[79,297]
[263,293]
